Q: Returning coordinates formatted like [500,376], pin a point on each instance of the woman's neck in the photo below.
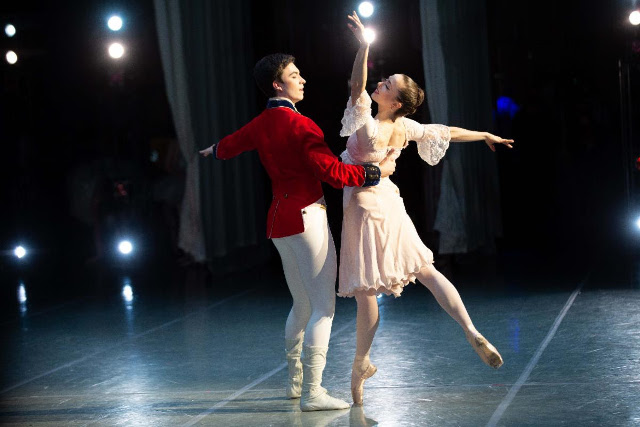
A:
[385,115]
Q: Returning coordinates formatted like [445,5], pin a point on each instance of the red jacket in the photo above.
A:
[296,157]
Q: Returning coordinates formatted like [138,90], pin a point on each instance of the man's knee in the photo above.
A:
[301,308]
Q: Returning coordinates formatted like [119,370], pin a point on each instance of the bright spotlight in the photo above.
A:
[638,222]
[125,247]
[634,17]
[20,252]
[369,35]
[114,23]
[116,50]
[10,30]
[365,9]
[12,58]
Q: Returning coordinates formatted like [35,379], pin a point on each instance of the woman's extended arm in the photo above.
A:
[464,135]
[359,71]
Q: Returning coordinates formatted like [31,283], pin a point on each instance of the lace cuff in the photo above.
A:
[355,116]
[432,140]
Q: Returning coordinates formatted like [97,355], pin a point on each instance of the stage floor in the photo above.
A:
[188,352]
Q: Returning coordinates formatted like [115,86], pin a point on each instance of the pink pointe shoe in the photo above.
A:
[487,352]
[358,376]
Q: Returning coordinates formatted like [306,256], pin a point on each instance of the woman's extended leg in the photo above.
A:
[449,299]
[367,321]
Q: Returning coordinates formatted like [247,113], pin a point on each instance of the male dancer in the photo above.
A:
[296,157]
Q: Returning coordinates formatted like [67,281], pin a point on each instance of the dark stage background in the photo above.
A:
[75,124]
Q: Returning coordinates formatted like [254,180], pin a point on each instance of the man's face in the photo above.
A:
[292,84]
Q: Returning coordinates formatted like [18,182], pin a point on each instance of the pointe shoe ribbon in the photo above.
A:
[358,376]
[487,352]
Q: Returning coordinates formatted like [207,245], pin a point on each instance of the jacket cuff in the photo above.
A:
[371,175]
[215,151]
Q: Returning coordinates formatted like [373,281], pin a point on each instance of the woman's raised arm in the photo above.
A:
[359,71]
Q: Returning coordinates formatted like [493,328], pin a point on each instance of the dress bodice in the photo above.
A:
[433,140]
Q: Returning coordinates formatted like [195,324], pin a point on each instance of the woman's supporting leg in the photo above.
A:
[449,299]
[367,321]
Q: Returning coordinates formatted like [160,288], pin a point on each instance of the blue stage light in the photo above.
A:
[507,106]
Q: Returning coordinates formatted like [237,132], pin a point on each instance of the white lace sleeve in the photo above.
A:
[356,116]
[432,140]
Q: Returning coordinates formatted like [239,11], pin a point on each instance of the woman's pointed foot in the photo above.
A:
[359,373]
[487,352]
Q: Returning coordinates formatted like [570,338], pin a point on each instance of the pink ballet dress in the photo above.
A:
[381,251]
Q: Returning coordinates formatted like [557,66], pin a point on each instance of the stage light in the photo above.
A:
[12,58]
[125,247]
[365,9]
[22,299]
[20,252]
[634,17]
[369,35]
[10,30]
[127,293]
[22,294]
[638,222]
[114,23]
[116,50]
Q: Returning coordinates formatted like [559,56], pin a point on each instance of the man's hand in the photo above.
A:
[207,151]
[388,165]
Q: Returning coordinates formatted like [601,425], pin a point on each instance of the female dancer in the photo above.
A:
[381,250]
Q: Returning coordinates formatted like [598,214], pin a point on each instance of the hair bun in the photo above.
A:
[419,97]
[411,96]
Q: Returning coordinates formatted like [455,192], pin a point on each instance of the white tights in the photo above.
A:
[310,265]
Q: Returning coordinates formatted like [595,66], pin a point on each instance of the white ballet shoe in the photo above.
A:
[314,396]
[293,349]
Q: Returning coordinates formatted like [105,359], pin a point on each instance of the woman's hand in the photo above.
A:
[207,151]
[356,27]
[491,140]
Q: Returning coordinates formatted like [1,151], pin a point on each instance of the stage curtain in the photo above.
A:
[207,59]
[458,92]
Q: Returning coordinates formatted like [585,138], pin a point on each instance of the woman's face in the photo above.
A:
[386,93]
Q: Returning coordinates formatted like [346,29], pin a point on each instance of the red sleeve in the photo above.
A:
[242,140]
[324,164]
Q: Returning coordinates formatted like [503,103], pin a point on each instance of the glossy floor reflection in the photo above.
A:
[180,350]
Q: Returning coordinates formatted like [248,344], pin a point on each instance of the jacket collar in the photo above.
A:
[281,102]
